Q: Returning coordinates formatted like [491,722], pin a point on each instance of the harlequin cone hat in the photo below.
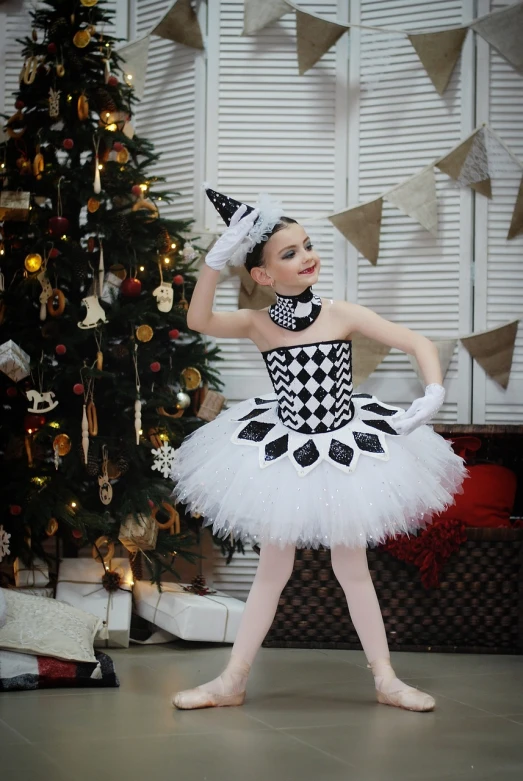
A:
[271,210]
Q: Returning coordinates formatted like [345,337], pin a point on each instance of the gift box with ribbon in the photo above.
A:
[31,577]
[81,584]
[213,617]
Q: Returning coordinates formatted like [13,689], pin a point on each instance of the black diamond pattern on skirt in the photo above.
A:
[382,425]
[378,409]
[341,453]
[369,443]
[276,448]
[307,454]
[255,431]
[254,413]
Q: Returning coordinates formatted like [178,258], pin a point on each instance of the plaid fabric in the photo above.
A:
[28,671]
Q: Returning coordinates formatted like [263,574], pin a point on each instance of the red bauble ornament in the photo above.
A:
[174,333]
[78,388]
[131,287]
[33,422]
[136,189]
[112,81]
[15,509]
[58,225]
[51,48]
[178,279]
[60,349]
[155,366]
[11,392]
[117,146]
[77,534]
[150,503]
[68,143]
[54,252]
[19,104]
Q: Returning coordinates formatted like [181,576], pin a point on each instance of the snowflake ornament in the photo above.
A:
[164,459]
[4,543]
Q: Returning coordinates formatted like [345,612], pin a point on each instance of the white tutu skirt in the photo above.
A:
[251,476]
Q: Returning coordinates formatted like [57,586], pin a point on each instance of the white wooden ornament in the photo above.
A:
[37,398]
[97,187]
[137,419]
[85,434]
[95,313]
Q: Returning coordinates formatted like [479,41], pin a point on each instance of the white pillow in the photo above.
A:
[46,627]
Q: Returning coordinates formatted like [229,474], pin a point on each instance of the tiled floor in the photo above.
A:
[308,714]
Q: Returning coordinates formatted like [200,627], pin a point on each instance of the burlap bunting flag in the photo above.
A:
[257,15]
[367,354]
[504,31]
[446,349]
[439,53]
[417,198]
[361,226]
[315,36]
[453,163]
[493,350]
[135,56]
[516,226]
[180,24]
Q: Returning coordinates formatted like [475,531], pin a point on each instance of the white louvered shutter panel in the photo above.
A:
[397,125]
[270,129]
[499,272]
[169,115]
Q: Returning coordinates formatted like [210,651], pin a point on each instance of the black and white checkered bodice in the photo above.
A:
[313,383]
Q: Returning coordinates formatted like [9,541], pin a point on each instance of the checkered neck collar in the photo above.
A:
[295,312]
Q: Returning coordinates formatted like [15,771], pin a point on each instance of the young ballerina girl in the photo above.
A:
[312,463]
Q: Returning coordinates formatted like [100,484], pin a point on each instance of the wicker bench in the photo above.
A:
[478,607]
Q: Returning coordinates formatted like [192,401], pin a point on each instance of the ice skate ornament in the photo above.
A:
[165,457]
[95,313]
[41,398]
[164,296]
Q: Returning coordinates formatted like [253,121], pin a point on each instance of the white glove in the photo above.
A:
[231,238]
[420,411]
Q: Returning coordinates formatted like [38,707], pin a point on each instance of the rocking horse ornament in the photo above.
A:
[37,399]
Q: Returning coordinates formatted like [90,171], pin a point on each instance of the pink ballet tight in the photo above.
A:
[274,570]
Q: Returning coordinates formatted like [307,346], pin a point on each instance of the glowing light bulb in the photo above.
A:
[100,166]
[142,268]
[73,504]
[130,76]
[167,261]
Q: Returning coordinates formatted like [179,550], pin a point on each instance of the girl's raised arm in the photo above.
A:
[200,316]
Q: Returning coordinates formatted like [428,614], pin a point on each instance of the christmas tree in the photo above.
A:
[101,378]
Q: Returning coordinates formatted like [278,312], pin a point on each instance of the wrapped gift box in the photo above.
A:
[14,361]
[29,577]
[37,591]
[80,585]
[213,618]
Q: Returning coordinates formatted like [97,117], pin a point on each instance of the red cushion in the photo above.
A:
[488,497]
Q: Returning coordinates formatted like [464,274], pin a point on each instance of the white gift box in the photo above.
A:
[29,577]
[213,618]
[38,591]
[80,585]
[14,361]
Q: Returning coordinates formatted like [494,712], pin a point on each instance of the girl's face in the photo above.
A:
[290,263]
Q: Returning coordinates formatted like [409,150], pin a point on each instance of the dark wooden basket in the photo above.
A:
[477,609]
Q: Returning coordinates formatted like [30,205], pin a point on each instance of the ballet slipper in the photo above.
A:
[227,689]
[391,691]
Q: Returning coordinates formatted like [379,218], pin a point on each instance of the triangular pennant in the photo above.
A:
[504,31]
[134,56]
[258,15]
[367,354]
[439,53]
[493,350]
[251,295]
[180,24]
[516,226]
[446,349]
[475,171]
[417,198]
[361,226]
[452,164]
[314,36]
